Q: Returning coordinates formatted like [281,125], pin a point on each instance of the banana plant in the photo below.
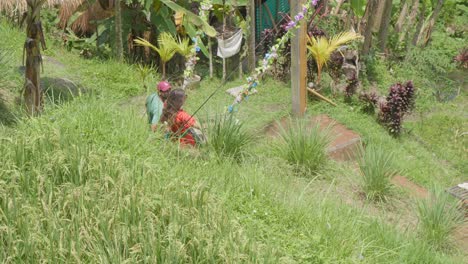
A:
[321,48]
[167,48]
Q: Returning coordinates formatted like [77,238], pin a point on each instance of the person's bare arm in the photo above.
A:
[154,127]
[197,125]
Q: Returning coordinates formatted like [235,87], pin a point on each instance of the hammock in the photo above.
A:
[230,46]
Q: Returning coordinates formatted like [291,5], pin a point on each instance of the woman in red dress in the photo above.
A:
[180,123]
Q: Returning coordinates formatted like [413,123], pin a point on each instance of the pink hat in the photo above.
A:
[164,86]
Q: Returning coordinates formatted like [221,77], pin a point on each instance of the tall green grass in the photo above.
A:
[376,165]
[65,197]
[303,147]
[438,219]
[86,182]
[227,137]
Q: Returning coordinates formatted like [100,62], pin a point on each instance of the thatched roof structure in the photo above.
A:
[84,23]
[100,9]
[22,5]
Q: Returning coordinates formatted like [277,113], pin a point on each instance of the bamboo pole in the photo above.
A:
[312,91]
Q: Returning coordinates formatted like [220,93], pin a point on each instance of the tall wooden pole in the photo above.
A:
[118,31]
[370,9]
[298,63]
[251,49]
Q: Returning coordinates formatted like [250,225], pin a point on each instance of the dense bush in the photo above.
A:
[399,101]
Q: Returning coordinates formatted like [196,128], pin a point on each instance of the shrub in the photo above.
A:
[303,147]
[376,166]
[400,100]
[369,100]
[438,218]
[462,58]
[227,137]
[351,87]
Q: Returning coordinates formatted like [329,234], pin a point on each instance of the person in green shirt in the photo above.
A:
[155,103]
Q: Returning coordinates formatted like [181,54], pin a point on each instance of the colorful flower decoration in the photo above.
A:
[270,56]
[192,59]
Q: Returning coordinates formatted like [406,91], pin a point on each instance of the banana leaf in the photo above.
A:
[191,18]
[192,32]
[163,21]
[359,7]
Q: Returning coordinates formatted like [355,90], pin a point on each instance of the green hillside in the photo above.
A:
[87,182]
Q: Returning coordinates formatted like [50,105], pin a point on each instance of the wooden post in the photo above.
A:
[298,63]
[251,49]
[210,51]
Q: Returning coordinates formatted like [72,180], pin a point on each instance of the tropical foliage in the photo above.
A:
[168,46]
[321,48]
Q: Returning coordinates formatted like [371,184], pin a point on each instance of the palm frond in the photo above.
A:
[183,47]
[167,46]
[145,43]
[321,48]
[342,38]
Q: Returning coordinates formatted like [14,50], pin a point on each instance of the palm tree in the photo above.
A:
[321,48]
[35,41]
[167,48]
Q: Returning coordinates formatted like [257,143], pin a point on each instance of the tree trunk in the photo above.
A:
[403,16]
[241,70]
[324,4]
[378,13]
[118,31]
[384,24]
[251,47]
[337,8]
[409,20]
[224,31]
[427,32]
[210,57]
[32,91]
[420,24]
[371,7]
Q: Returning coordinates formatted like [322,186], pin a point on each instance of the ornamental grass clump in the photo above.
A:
[400,100]
[438,218]
[376,167]
[227,137]
[303,147]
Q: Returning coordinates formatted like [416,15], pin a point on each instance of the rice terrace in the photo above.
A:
[240,131]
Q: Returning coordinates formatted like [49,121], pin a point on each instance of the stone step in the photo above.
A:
[344,143]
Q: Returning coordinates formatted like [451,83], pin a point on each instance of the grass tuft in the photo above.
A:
[303,147]
[227,137]
[438,218]
[376,166]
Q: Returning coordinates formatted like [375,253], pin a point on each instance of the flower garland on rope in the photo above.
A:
[269,58]
[192,59]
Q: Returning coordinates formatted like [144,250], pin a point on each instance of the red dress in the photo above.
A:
[185,120]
